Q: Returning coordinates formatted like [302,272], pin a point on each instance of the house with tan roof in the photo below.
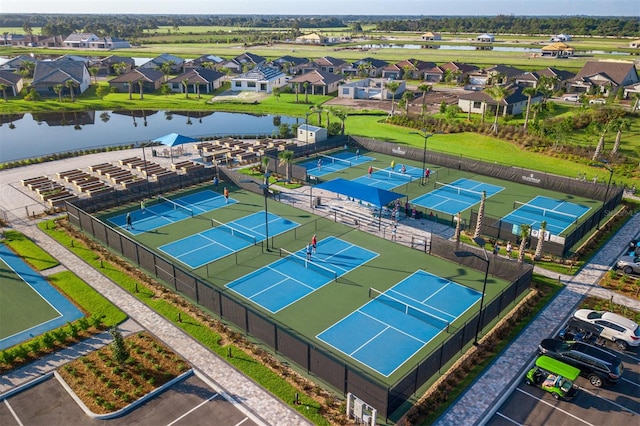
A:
[558,50]
[147,79]
[12,82]
[481,103]
[319,82]
[198,81]
[604,77]
[430,36]
[635,44]
[313,38]
[532,79]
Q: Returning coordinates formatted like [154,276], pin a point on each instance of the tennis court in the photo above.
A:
[559,215]
[406,318]
[29,305]
[456,196]
[388,179]
[323,165]
[289,279]
[225,238]
[163,211]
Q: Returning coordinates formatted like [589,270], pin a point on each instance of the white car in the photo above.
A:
[572,98]
[616,328]
[598,101]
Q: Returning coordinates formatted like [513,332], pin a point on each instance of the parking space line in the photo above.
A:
[193,409]
[13,413]
[242,421]
[554,407]
[509,419]
[622,407]
[629,381]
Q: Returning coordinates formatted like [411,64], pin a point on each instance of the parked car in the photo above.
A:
[553,376]
[597,364]
[572,98]
[598,101]
[616,328]
[629,264]
[582,331]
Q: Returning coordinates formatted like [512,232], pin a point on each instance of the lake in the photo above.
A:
[475,47]
[38,134]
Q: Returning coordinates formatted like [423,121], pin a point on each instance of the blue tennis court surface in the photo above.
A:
[205,247]
[338,161]
[66,310]
[388,179]
[394,325]
[456,196]
[559,215]
[160,213]
[291,278]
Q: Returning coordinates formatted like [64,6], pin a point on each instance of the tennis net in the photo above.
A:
[541,211]
[233,231]
[310,264]
[391,175]
[463,192]
[174,205]
[327,159]
[401,306]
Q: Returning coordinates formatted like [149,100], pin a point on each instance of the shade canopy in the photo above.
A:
[376,196]
[174,139]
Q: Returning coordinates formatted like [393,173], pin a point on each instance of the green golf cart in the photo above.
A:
[553,376]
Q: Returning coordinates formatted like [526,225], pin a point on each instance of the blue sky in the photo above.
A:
[332,7]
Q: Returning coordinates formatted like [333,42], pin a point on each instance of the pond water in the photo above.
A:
[470,47]
[38,134]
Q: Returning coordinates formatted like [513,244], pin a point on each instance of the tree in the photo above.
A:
[166,68]
[480,218]
[543,229]
[342,116]
[130,86]
[297,86]
[276,92]
[105,117]
[286,158]
[119,68]
[498,94]
[406,97]
[392,86]
[119,349]
[524,236]
[546,86]
[102,91]
[185,86]
[94,73]
[70,85]
[306,92]
[26,27]
[424,88]
[3,88]
[264,163]
[529,92]
[620,125]
[318,109]
[57,89]
[141,88]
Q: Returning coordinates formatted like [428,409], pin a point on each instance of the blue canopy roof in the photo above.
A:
[376,196]
[173,139]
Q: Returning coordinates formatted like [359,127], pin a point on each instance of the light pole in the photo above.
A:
[306,125]
[606,165]
[426,136]
[479,241]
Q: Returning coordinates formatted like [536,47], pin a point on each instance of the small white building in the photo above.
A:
[485,38]
[560,37]
[259,79]
[310,134]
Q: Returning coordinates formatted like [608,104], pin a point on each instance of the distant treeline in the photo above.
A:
[134,26]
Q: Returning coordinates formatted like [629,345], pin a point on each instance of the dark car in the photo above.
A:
[582,331]
[634,247]
[598,365]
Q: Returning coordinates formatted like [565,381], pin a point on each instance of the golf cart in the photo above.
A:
[554,377]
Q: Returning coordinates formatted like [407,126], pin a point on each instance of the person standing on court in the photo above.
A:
[320,164]
[427,172]
[509,249]
[393,165]
[226,195]
[309,248]
[314,242]
[370,171]
[357,153]
[129,225]
[215,182]
[394,231]
[403,169]
[142,206]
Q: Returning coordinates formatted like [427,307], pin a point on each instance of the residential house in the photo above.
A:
[330,64]
[496,74]
[289,64]
[204,61]
[244,62]
[79,40]
[532,79]
[259,79]
[31,40]
[157,62]
[198,80]
[76,58]
[631,90]
[456,72]
[414,69]
[313,38]
[430,36]
[18,64]
[12,82]
[366,67]
[635,44]
[47,75]
[560,37]
[109,43]
[150,79]
[114,65]
[604,76]
[370,89]
[485,38]
[319,82]
[558,50]
[311,134]
[480,102]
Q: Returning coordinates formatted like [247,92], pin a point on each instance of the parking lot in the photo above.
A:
[188,402]
[613,405]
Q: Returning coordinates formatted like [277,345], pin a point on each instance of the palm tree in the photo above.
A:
[546,86]
[276,93]
[529,92]
[480,217]
[392,86]
[264,163]
[297,86]
[543,229]
[57,89]
[406,97]
[619,125]
[166,68]
[130,84]
[306,92]
[342,116]
[286,158]
[498,94]
[424,88]
[105,117]
[524,236]
[94,73]
[319,110]
[185,86]
[141,88]
[4,87]
[119,68]
[70,85]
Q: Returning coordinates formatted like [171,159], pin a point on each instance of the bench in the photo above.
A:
[48,195]
[42,184]
[124,177]
[126,161]
[99,190]
[77,176]
[62,175]
[93,185]
[164,174]
[48,188]
[26,182]
[116,173]
[130,183]
[97,167]
[60,200]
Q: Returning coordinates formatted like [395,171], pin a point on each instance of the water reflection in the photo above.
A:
[464,47]
[37,134]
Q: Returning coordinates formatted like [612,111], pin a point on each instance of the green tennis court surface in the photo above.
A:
[29,305]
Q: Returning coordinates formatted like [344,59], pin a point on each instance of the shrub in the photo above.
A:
[48,340]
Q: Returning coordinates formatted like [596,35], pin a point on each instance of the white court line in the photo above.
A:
[193,409]
[13,413]
[509,419]
[554,407]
